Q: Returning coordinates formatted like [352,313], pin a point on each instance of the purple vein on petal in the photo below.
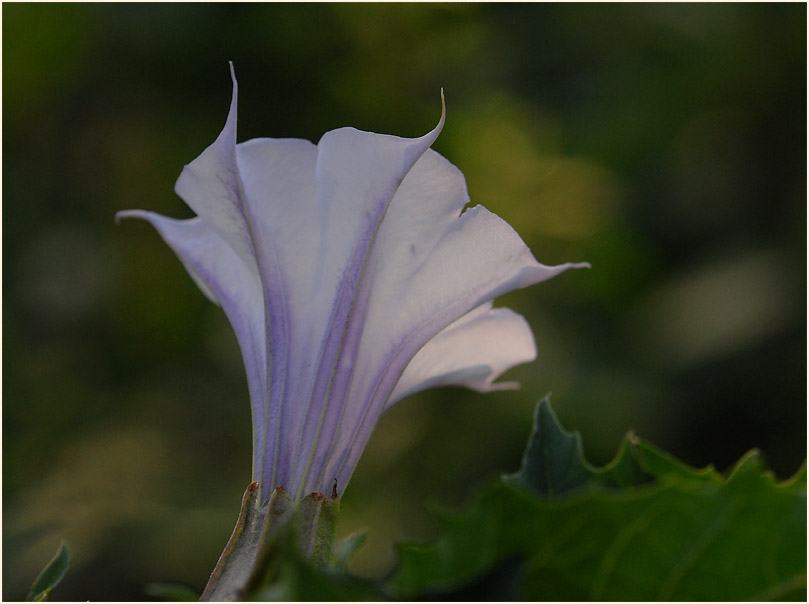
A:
[229,210]
[397,360]
[348,312]
[273,327]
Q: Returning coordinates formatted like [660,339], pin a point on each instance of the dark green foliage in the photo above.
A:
[646,527]
[554,463]
[50,576]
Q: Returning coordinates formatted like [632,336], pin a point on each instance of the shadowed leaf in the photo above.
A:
[50,576]
[646,527]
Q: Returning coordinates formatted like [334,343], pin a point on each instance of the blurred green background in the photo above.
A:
[665,144]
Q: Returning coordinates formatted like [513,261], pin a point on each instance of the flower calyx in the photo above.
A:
[264,533]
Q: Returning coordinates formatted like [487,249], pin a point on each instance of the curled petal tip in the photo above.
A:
[433,134]
[443,109]
[126,214]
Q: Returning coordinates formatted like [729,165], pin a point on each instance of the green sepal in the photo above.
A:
[300,561]
[234,566]
[307,517]
[51,575]
[253,558]
[277,528]
[326,532]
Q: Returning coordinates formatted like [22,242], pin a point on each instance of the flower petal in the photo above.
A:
[211,186]
[224,279]
[472,352]
[281,199]
[313,248]
[431,266]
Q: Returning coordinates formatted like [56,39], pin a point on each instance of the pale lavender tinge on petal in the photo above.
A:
[210,185]
[279,183]
[223,277]
[358,174]
[475,258]
[472,352]
[436,192]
